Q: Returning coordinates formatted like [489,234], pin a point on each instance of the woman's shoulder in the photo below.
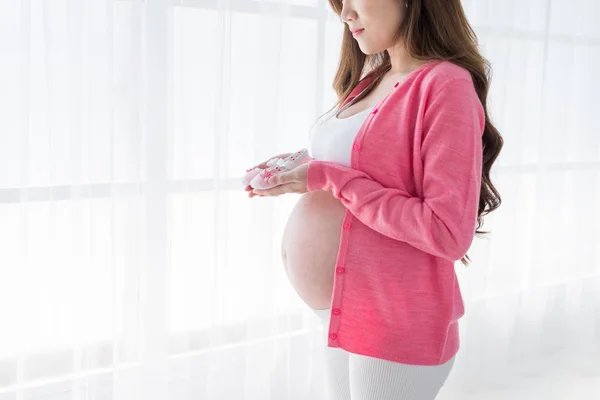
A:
[442,72]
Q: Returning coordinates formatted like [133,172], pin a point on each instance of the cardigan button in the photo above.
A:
[375,111]
[333,336]
[340,270]
[397,83]
[346,226]
[356,147]
[336,311]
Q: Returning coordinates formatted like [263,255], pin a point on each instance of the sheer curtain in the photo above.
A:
[133,265]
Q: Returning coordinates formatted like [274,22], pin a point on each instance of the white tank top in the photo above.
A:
[332,139]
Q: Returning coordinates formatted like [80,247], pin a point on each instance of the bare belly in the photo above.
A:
[310,246]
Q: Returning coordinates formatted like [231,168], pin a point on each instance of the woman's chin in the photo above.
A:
[367,49]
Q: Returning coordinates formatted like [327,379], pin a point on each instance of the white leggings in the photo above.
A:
[352,376]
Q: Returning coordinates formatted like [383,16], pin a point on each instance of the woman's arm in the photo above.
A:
[443,222]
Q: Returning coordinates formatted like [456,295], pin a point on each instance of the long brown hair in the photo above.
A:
[431,30]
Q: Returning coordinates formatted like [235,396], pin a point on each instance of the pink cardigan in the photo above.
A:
[411,198]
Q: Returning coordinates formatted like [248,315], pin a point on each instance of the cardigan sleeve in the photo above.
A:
[443,222]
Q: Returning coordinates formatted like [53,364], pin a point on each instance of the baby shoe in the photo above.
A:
[252,172]
[280,166]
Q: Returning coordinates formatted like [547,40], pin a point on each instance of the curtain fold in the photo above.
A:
[133,265]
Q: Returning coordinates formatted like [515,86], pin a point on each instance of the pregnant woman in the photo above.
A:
[394,193]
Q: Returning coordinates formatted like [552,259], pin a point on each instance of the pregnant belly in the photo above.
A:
[310,246]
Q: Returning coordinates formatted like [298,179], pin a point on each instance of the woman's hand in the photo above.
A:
[263,165]
[293,181]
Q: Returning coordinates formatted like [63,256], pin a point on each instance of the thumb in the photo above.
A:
[280,179]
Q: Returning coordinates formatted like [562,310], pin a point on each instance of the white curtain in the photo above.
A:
[134,267]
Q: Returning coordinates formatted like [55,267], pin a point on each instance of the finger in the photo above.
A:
[277,191]
[281,179]
[269,192]
[262,165]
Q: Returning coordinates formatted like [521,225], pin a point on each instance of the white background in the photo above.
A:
[133,265]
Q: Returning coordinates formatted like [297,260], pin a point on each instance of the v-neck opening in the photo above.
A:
[352,116]
[382,100]
[360,134]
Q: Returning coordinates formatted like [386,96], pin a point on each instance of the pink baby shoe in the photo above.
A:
[252,172]
[280,166]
